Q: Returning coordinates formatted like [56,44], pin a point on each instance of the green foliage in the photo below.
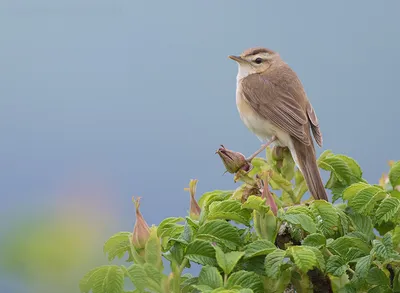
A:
[244,245]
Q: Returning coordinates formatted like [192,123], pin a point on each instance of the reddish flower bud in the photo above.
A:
[233,161]
[266,193]
[141,231]
[195,209]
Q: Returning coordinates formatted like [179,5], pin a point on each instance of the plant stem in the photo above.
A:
[177,276]
[225,279]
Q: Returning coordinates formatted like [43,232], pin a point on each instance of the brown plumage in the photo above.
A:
[272,103]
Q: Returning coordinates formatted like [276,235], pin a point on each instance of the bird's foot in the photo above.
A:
[263,147]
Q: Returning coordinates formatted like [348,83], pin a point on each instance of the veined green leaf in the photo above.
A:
[326,216]
[259,247]
[220,231]
[255,203]
[215,195]
[277,181]
[229,210]
[315,240]
[303,220]
[396,237]
[377,277]
[202,252]
[211,277]
[117,245]
[169,225]
[363,224]
[336,266]
[247,280]
[304,258]
[227,261]
[394,174]
[104,279]
[353,165]
[362,266]
[363,197]
[337,166]
[300,210]
[342,245]
[387,209]
[383,248]
[354,189]
[273,263]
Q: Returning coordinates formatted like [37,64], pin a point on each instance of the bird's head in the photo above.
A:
[255,60]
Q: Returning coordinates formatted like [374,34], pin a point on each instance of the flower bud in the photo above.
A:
[195,209]
[266,193]
[277,153]
[141,231]
[233,161]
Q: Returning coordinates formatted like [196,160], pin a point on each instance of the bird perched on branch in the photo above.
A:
[273,105]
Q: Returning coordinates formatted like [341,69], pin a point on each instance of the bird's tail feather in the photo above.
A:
[308,166]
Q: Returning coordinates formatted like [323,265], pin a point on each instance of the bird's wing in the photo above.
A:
[279,97]
[314,124]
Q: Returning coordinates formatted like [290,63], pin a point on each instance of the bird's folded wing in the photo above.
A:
[278,99]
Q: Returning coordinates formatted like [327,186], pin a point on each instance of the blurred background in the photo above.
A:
[103,100]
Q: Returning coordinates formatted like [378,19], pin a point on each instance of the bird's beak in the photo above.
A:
[236,58]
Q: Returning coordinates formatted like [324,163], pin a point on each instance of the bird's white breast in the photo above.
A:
[257,124]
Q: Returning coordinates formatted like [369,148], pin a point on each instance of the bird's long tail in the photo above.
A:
[306,160]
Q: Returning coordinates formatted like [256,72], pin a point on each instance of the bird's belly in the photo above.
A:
[260,126]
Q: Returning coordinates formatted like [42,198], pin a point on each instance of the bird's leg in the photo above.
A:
[263,147]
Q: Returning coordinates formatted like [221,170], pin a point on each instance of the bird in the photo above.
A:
[273,105]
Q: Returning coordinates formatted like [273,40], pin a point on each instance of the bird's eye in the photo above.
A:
[258,60]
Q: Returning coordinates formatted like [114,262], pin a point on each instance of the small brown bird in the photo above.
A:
[273,105]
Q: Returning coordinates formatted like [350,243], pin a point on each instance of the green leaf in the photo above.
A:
[300,210]
[104,279]
[254,202]
[387,209]
[302,220]
[215,195]
[362,266]
[315,240]
[153,250]
[117,245]
[259,247]
[377,277]
[145,277]
[336,265]
[342,245]
[221,232]
[384,248]
[273,263]
[304,258]
[337,166]
[363,197]
[277,181]
[363,224]
[394,174]
[227,261]
[168,226]
[353,165]
[202,252]
[229,210]
[247,280]
[203,288]
[211,277]
[396,237]
[265,225]
[326,217]
[344,221]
